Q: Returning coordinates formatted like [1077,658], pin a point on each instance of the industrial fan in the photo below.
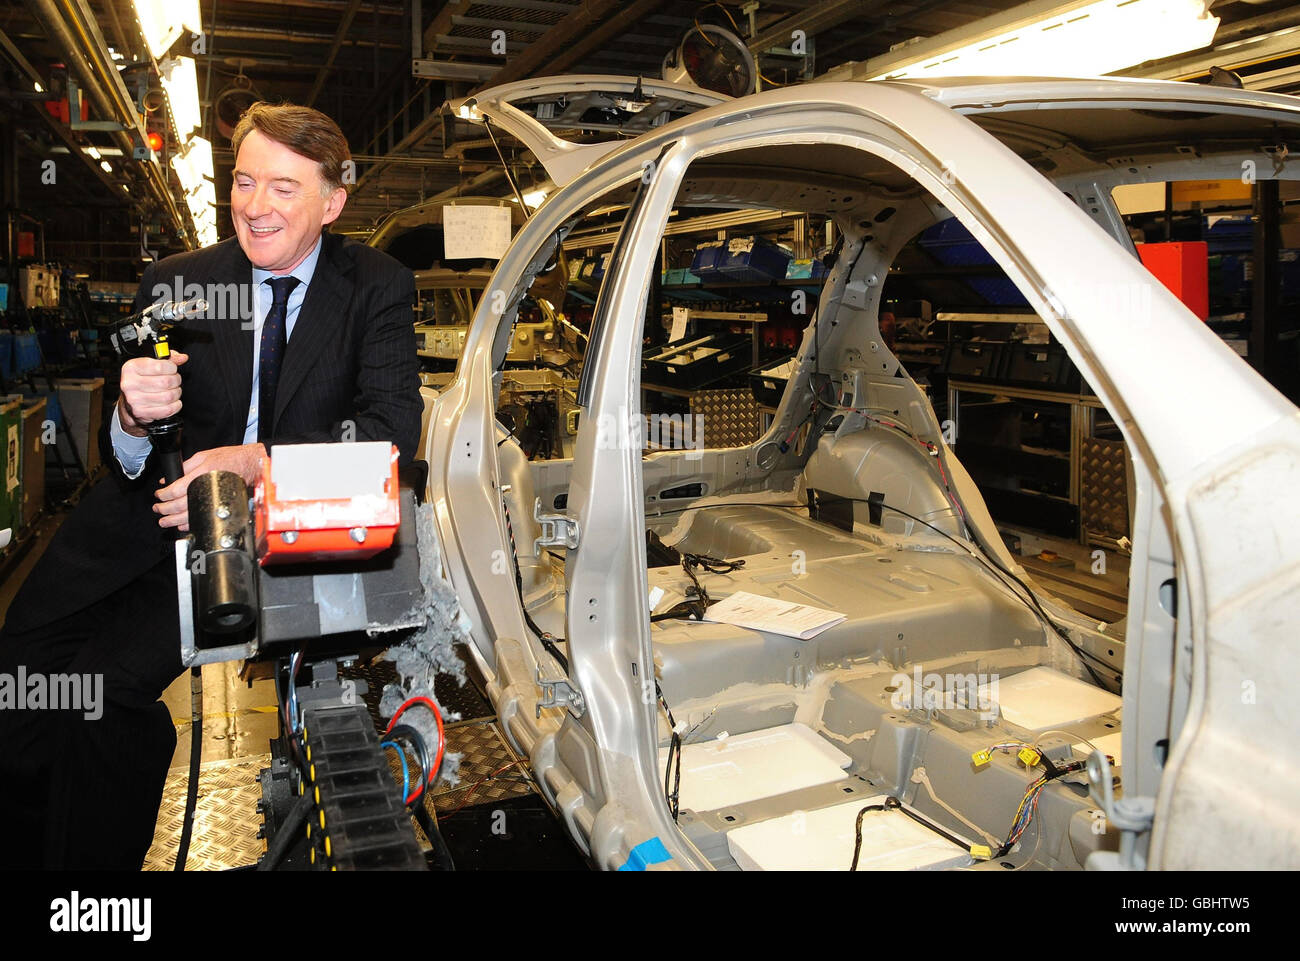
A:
[712,58]
[230,104]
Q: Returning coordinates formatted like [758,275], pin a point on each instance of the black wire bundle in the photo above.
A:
[673,769]
[546,637]
[428,823]
[892,803]
[698,601]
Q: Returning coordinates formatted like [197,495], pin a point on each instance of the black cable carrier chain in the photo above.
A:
[358,821]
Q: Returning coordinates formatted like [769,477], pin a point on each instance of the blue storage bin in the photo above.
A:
[52,409]
[708,258]
[953,246]
[597,266]
[950,243]
[6,353]
[27,353]
[1233,280]
[998,291]
[1230,235]
[752,259]
[57,345]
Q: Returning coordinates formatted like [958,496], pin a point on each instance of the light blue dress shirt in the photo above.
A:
[132,452]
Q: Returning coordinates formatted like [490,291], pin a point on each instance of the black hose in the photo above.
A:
[287,833]
[442,859]
[196,752]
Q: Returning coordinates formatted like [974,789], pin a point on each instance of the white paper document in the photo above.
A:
[680,318]
[475,230]
[772,615]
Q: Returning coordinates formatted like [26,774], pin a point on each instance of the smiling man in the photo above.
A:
[327,354]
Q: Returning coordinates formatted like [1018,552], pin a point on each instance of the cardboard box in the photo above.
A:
[33,458]
[83,406]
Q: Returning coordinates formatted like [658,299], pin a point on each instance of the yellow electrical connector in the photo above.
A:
[982,757]
[981,852]
[1029,756]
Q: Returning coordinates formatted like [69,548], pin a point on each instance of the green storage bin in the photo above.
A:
[11,441]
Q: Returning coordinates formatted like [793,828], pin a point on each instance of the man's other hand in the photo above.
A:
[173,505]
[151,390]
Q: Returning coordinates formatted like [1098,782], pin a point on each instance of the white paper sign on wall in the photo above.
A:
[475,230]
[680,317]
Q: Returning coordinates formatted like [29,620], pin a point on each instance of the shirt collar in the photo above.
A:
[303,271]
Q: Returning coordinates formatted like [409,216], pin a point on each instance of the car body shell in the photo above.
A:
[1209,655]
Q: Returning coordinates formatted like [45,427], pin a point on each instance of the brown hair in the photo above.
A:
[303,130]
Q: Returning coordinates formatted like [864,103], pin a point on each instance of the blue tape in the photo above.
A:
[645,854]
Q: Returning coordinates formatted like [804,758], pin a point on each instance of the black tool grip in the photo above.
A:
[166,439]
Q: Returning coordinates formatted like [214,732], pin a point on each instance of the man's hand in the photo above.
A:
[151,390]
[173,505]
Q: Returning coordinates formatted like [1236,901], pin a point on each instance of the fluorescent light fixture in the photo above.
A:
[532,198]
[94,153]
[38,88]
[163,21]
[181,84]
[1050,39]
[194,165]
[106,166]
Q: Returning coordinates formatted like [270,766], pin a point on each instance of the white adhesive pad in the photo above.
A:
[1109,744]
[746,767]
[823,841]
[1041,698]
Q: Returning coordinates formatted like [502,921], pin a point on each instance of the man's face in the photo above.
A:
[276,203]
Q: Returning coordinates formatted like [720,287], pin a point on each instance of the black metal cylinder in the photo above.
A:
[165,435]
[224,568]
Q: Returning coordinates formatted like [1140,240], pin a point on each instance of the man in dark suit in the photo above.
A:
[310,339]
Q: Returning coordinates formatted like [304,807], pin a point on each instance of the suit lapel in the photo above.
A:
[321,319]
[232,332]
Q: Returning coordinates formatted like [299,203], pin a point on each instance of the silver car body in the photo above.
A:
[1215,455]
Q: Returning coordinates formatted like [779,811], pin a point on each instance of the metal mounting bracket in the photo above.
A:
[558,530]
[560,693]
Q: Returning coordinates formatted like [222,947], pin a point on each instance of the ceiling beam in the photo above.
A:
[442,23]
[328,65]
[598,38]
[574,29]
[811,21]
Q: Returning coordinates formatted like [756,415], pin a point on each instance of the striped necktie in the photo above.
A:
[271,355]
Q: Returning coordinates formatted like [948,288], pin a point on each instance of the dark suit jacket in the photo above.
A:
[352,358]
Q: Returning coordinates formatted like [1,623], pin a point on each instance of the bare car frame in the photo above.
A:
[1207,658]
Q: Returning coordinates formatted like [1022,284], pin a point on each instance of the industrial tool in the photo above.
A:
[315,568]
[146,335]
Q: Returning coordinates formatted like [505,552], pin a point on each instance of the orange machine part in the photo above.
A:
[301,532]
